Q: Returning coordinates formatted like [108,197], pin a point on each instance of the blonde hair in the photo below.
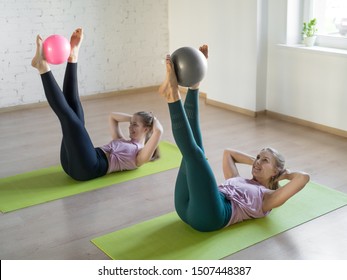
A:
[279,165]
[147,119]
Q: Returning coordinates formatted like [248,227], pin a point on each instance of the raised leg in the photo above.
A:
[70,85]
[197,199]
[79,157]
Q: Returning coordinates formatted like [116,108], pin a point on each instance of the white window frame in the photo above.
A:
[323,40]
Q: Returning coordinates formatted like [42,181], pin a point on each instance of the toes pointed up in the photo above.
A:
[169,88]
[38,60]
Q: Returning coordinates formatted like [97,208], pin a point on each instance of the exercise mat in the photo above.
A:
[168,238]
[47,184]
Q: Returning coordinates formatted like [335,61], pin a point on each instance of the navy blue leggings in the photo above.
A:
[198,201]
[78,157]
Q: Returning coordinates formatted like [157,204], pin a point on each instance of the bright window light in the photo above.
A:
[331,17]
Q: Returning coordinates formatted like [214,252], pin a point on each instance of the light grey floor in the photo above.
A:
[62,229]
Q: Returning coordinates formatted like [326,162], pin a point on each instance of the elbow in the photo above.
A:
[305,178]
[157,134]
[161,131]
[158,129]
[227,153]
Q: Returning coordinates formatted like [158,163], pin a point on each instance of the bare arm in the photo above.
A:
[297,181]
[148,150]
[230,158]
[114,119]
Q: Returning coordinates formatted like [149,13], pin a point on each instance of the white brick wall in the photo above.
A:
[125,43]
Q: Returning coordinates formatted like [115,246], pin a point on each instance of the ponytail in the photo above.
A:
[148,118]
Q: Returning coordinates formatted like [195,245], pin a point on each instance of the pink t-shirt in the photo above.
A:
[246,198]
[122,154]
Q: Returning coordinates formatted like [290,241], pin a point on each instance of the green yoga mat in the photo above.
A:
[52,183]
[168,238]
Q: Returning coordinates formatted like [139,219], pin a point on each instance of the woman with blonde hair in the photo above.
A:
[79,158]
[199,200]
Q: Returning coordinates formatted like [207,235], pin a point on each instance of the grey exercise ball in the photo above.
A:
[190,66]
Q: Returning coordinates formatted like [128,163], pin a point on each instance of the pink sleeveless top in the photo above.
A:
[246,198]
[122,154]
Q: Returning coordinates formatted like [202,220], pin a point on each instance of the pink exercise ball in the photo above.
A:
[190,66]
[56,49]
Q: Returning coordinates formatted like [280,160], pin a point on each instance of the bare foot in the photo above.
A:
[38,61]
[169,88]
[75,42]
[204,50]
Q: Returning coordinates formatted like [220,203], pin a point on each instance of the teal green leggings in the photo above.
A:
[198,201]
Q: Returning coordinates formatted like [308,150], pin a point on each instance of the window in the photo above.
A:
[331,18]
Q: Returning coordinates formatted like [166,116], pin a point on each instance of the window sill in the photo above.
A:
[317,49]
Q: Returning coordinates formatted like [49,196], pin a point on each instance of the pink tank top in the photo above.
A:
[122,154]
[246,198]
